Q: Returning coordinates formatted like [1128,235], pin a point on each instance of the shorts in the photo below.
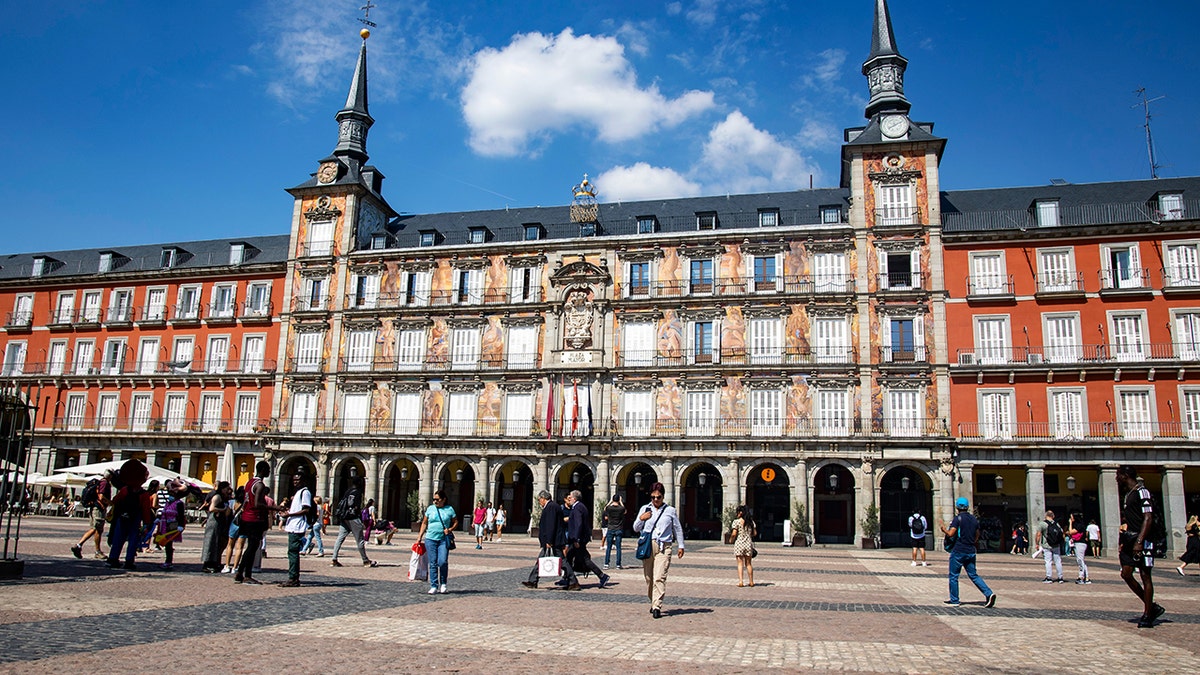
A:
[1142,561]
[233,531]
[96,519]
[917,542]
[479,529]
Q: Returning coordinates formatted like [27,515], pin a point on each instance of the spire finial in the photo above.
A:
[366,20]
[354,120]
[884,67]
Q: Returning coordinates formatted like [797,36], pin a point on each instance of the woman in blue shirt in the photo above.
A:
[437,529]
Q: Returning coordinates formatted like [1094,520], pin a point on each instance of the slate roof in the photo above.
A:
[197,255]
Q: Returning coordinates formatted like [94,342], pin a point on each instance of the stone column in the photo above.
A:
[483,478]
[667,476]
[1110,510]
[733,484]
[1035,495]
[604,486]
[151,459]
[943,502]
[322,484]
[540,480]
[427,480]
[372,478]
[800,492]
[964,486]
[185,464]
[1174,509]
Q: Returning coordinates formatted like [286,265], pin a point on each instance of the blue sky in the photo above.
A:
[143,122]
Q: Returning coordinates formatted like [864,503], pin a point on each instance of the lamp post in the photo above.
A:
[458,475]
[999,482]
[833,482]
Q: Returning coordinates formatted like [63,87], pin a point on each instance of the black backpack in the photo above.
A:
[346,509]
[917,526]
[310,516]
[91,494]
[1054,535]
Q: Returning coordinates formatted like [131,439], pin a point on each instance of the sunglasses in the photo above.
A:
[656,496]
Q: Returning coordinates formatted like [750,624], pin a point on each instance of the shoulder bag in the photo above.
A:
[450,545]
[645,545]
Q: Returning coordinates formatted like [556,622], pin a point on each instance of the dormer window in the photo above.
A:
[831,215]
[106,263]
[39,267]
[533,231]
[237,253]
[1170,206]
[379,242]
[477,235]
[768,217]
[706,220]
[1046,211]
[647,224]
[588,229]
[167,259]
[428,237]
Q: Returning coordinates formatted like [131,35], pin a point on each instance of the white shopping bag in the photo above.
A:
[418,567]
[550,566]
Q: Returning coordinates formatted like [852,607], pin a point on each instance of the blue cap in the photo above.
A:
[961,503]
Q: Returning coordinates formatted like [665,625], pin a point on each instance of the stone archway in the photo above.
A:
[575,475]
[401,500]
[457,479]
[514,489]
[833,505]
[903,491]
[633,483]
[347,469]
[768,495]
[701,501]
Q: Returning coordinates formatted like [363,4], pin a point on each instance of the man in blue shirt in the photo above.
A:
[964,530]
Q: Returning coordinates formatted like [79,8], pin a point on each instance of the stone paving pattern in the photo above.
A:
[811,609]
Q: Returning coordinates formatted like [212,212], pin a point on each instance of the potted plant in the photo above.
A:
[801,529]
[535,517]
[870,528]
[727,516]
[415,514]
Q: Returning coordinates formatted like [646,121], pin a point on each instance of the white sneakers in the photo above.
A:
[433,590]
[924,564]
[443,590]
[914,563]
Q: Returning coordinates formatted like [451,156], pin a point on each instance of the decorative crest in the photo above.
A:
[584,208]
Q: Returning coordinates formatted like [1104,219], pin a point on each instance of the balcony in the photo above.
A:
[301,304]
[905,354]
[305,365]
[221,313]
[150,368]
[1060,284]
[155,315]
[118,317]
[736,357]
[186,314]
[1059,356]
[791,284]
[318,249]
[61,320]
[148,424]
[897,217]
[900,281]
[87,318]
[19,320]
[1082,432]
[996,287]
[252,312]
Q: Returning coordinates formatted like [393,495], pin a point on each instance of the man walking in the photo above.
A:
[964,529]
[1136,550]
[1049,539]
[296,524]
[350,514]
[613,523]
[1093,535]
[916,530]
[256,514]
[550,527]
[95,500]
[579,533]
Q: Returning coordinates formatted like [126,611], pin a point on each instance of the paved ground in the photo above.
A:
[811,609]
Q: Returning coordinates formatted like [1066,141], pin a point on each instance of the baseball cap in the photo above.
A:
[961,503]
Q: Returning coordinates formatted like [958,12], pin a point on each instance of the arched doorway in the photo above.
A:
[702,498]
[833,505]
[288,469]
[902,492]
[768,494]
[458,481]
[576,476]
[514,489]
[635,481]
[348,469]
[401,493]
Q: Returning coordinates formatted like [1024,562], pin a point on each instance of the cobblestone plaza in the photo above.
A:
[811,609]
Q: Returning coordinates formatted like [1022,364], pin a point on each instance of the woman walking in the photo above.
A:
[437,530]
[1078,544]
[501,519]
[662,522]
[1191,555]
[744,532]
[216,528]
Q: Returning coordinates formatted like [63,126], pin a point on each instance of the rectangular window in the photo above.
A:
[765,280]
[1191,413]
[900,270]
[533,232]
[217,358]
[246,413]
[356,411]
[114,357]
[478,235]
[428,238]
[638,344]
[410,348]
[987,274]
[1183,265]
[188,303]
[902,346]
[896,205]
[1128,339]
[647,225]
[56,362]
[167,259]
[1047,213]
[14,358]
[210,413]
[76,411]
[700,278]
[518,414]
[64,310]
[407,413]
[522,346]
[314,295]
[833,412]
[639,279]
[1187,335]
[525,284]
[91,307]
[139,412]
[182,354]
[1066,414]
[22,314]
[222,301]
[701,413]
[462,411]
[1057,270]
[308,352]
[831,342]
[175,412]
[468,287]
[768,218]
[147,359]
[766,340]
[320,238]
[638,412]
[258,299]
[829,272]
[156,305]
[1122,266]
[366,291]
[1137,416]
[237,254]
[106,412]
[84,357]
[1062,338]
[119,302]
[703,343]
[831,215]
[106,261]
[304,411]
[706,221]
[360,350]
[766,412]
[996,414]
[254,349]
[39,267]
[416,288]
[904,412]
[1170,207]
[991,339]
[464,350]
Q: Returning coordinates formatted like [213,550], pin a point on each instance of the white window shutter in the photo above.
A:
[915,256]
[883,268]
[919,337]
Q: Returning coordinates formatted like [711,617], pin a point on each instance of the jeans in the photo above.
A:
[356,526]
[126,533]
[957,562]
[1052,556]
[313,537]
[613,539]
[1080,557]
[438,553]
[295,541]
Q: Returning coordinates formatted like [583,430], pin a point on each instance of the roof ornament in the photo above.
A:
[584,207]
[366,20]
[885,67]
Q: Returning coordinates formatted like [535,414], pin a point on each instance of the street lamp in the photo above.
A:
[173,465]
[999,482]
[575,477]
[637,478]
[833,482]
[702,479]
[458,475]
[404,473]
[1071,483]
[207,465]
[244,467]
[904,482]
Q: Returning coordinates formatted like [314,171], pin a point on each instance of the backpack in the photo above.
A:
[917,525]
[310,516]
[1054,535]
[345,508]
[91,494]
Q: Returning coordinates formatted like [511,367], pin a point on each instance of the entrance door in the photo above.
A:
[769,498]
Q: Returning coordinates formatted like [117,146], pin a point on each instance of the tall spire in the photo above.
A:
[884,68]
[354,120]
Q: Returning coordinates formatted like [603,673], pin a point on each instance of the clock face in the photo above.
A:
[327,173]
[894,126]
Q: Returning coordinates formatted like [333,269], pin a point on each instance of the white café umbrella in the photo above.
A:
[156,472]
[62,480]
[225,466]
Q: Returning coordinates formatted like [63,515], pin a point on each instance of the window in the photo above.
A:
[14,358]
[831,215]
[1057,270]
[706,220]
[829,273]
[1170,207]
[1183,265]
[56,362]
[246,413]
[704,343]
[39,267]
[314,295]
[119,306]
[533,232]
[106,415]
[700,278]
[765,280]
[360,350]
[1128,340]
[462,410]
[320,238]
[139,415]
[1046,213]
[904,412]
[258,299]
[308,352]
[1187,335]
[639,279]
[833,412]
[895,205]
[1121,266]
[478,235]
[416,288]
[992,339]
[356,411]
[996,414]
[188,303]
[379,242]
[64,309]
[407,413]
[1137,414]
[522,346]
[366,291]
[1066,413]
[304,411]
[218,354]
[904,340]
[147,359]
[900,270]
[428,238]
[588,229]
[766,340]
[768,217]
[182,354]
[464,350]
[647,224]
[84,355]
[637,343]
[701,413]
[518,414]
[156,305]
[76,411]
[167,259]
[223,301]
[253,351]
[987,274]
[637,412]
[525,284]
[577,409]
[114,357]
[1062,338]
[1191,413]
[766,412]
[210,412]
[410,348]
[237,254]
[831,342]
[175,412]
[91,306]
[106,261]
[468,287]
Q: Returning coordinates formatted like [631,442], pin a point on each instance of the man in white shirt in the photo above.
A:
[296,524]
[666,530]
[489,521]
[1093,535]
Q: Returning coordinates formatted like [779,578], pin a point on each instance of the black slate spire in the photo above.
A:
[884,68]
[354,120]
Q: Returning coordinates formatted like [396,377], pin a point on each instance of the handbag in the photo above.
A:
[550,566]
[645,545]
[948,543]
[450,545]
[753,551]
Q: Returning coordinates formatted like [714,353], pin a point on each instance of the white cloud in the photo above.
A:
[703,12]
[642,181]
[828,67]
[739,157]
[541,84]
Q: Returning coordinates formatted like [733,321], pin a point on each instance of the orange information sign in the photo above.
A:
[768,475]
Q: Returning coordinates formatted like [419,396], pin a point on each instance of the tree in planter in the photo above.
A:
[535,516]
[800,525]
[870,527]
[728,514]
[414,508]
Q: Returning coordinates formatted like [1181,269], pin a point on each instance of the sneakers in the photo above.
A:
[991,601]
[252,581]
[913,564]
[606,566]
[478,546]
[166,567]
[335,563]
[290,583]
[951,603]
[77,551]
[1060,580]
[1047,580]
[432,590]
[574,587]
[529,584]
[227,570]
[321,554]
[100,556]
[443,590]
[1158,611]
[656,613]
[1177,569]
[924,564]
[129,566]
[604,580]
[368,563]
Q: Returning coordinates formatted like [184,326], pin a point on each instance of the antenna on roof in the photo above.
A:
[1141,91]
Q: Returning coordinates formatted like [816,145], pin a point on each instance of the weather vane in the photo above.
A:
[366,20]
